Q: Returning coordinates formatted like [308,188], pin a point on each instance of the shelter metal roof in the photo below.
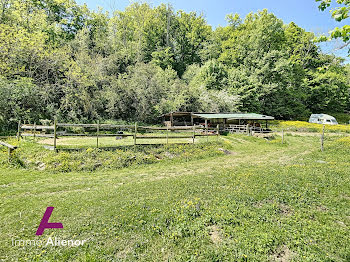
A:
[247,116]
[178,114]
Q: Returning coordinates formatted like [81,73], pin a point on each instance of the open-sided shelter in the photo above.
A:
[213,119]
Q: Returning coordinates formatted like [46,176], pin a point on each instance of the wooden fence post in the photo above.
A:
[217,133]
[98,131]
[9,151]
[322,138]
[54,134]
[19,130]
[135,134]
[194,133]
[167,134]
[34,131]
[247,129]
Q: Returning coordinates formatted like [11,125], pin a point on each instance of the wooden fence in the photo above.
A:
[285,131]
[51,131]
[247,129]
[134,131]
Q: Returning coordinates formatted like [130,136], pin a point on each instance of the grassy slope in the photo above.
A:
[265,201]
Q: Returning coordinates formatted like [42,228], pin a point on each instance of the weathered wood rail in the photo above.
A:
[94,125]
[10,148]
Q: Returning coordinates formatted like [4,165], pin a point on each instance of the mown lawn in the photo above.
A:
[263,201]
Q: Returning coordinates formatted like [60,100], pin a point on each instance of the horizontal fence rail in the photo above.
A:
[37,135]
[94,125]
[94,135]
[7,145]
[171,128]
[35,127]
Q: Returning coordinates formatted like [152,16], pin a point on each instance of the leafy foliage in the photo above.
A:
[58,58]
[339,13]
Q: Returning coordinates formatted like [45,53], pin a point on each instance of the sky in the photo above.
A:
[304,13]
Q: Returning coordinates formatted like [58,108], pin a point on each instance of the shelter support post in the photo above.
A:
[217,132]
[206,130]
[171,120]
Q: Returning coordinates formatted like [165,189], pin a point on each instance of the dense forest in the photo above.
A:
[58,58]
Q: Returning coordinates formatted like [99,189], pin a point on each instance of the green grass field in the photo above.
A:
[239,199]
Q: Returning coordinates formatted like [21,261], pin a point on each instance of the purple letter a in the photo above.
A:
[45,222]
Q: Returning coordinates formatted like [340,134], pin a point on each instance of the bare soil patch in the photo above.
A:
[215,235]
[227,152]
[285,210]
[283,254]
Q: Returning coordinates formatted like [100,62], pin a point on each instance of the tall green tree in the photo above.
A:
[339,13]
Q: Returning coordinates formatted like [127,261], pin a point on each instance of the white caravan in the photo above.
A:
[323,119]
